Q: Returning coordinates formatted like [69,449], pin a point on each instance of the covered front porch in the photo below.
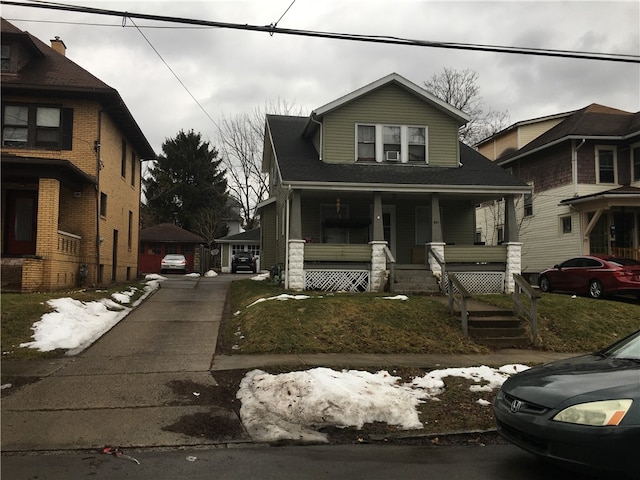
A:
[610,222]
[350,241]
[48,211]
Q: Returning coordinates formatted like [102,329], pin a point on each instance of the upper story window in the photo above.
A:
[635,163]
[606,165]
[36,126]
[123,159]
[391,143]
[5,58]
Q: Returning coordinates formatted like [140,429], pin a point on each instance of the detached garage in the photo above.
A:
[248,241]
[159,240]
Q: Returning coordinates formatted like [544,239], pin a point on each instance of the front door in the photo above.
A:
[22,214]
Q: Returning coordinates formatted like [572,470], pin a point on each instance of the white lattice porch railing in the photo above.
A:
[479,282]
[337,280]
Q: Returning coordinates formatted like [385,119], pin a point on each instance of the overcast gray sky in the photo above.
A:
[233,71]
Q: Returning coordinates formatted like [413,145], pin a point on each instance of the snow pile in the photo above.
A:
[291,406]
[74,325]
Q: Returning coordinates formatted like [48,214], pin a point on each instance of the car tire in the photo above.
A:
[595,289]
[545,284]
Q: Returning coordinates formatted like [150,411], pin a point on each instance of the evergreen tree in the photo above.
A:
[185,182]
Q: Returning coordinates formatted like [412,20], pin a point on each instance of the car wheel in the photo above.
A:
[595,289]
[544,284]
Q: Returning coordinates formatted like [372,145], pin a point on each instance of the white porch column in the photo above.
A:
[514,265]
[295,271]
[378,266]
[434,266]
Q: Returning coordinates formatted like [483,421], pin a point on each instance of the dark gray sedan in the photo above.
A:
[583,412]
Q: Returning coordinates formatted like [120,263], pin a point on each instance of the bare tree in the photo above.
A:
[211,224]
[460,88]
[241,141]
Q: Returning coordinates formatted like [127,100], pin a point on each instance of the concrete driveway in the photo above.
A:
[133,386]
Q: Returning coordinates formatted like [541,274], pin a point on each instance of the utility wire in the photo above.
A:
[172,71]
[272,29]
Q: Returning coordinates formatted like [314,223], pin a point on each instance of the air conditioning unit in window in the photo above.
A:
[392,156]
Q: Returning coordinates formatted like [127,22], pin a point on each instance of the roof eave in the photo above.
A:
[405,188]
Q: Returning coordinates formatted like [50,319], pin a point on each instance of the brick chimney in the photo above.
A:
[59,46]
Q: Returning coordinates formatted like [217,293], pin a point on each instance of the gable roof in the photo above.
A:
[399,80]
[249,236]
[592,122]
[169,233]
[299,166]
[50,73]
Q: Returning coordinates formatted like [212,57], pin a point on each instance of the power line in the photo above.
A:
[174,73]
[383,39]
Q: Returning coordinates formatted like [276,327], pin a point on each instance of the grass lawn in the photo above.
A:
[367,323]
[21,310]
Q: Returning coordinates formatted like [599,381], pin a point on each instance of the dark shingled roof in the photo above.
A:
[252,235]
[592,121]
[299,162]
[48,73]
[169,233]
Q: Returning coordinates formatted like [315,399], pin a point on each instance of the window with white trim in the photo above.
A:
[391,143]
[606,170]
[635,163]
[565,224]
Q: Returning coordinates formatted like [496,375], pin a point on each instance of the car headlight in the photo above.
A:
[599,414]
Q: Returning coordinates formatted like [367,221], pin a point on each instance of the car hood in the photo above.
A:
[590,377]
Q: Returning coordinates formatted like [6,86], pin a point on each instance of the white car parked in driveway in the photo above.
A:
[173,262]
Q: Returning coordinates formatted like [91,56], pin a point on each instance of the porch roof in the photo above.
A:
[17,168]
[621,196]
[300,166]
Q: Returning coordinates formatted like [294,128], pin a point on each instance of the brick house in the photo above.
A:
[584,170]
[71,153]
[374,189]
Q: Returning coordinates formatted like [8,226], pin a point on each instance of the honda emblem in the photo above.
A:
[515,407]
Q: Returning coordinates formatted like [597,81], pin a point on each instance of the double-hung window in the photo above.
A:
[366,142]
[391,143]
[635,165]
[606,164]
[36,126]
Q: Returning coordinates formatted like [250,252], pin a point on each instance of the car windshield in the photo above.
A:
[629,348]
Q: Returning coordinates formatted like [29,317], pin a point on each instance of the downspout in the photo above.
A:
[321,134]
[574,174]
[574,167]
[98,168]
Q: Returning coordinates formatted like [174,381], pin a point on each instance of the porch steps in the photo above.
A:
[496,328]
[414,279]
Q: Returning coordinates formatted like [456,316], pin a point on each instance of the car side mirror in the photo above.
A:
[557,267]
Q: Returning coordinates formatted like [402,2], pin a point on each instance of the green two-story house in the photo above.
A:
[377,183]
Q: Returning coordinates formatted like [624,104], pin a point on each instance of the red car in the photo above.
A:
[595,276]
